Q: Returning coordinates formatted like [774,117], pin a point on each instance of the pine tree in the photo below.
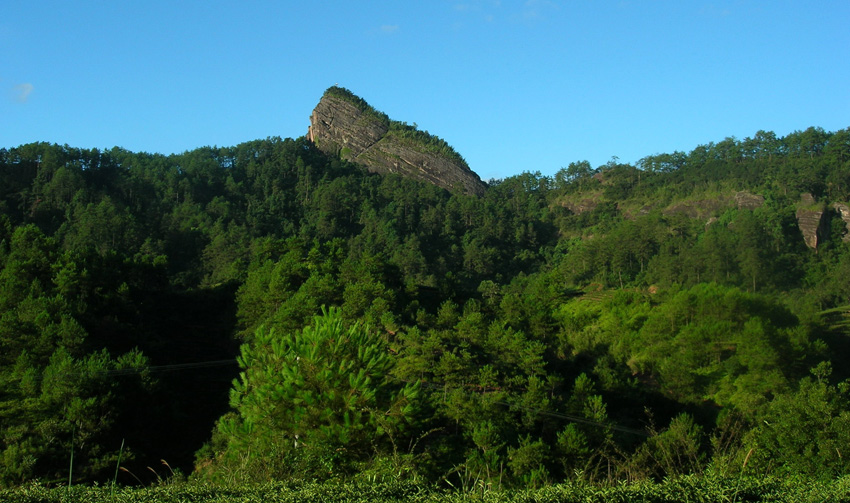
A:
[314,402]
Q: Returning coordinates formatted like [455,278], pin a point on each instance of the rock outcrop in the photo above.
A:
[844,211]
[699,208]
[581,206]
[809,218]
[344,125]
[748,201]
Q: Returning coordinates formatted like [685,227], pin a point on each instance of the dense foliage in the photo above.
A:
[675,490]
[612,323]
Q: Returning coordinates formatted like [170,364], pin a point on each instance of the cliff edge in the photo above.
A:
[344,125]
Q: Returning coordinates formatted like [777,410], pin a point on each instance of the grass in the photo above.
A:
[690,488]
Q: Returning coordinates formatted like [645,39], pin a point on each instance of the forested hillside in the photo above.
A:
[265,311]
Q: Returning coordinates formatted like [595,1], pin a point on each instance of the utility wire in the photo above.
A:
[427,384]
[129,371]
[171,368]
[577,419]
[557,415]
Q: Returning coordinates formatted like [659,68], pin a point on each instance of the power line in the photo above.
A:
[557,415]
[577,419]
[130,371]
[171,368]
[226,363]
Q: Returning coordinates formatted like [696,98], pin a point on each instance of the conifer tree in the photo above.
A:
[316,401]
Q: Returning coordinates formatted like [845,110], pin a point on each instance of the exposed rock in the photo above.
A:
[709,208]
[703,209]
[844,211]
[633,214]
[344,125]
[809,219]
[341,126]
[699,208]
[582,206]
[806,199]
[747,201]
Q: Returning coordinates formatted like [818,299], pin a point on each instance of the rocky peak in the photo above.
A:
[809,217]
[344,125]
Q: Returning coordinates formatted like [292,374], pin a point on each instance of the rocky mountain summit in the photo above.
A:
[344,125]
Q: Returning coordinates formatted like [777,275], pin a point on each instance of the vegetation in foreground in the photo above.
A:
[675,490]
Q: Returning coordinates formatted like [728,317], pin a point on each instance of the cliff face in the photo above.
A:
[341,126]
[746,201]
[809,219]
[344,125]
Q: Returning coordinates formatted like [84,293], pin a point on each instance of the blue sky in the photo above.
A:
[513,85]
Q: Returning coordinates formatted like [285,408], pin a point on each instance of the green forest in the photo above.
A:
[266,313]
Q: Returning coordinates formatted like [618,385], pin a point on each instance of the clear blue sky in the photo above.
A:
[513,85]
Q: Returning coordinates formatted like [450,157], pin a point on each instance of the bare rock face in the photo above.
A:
[344,125]
[748,201]
[844,211]
[809,218]
[341,127]
[702,208]
[582,206]
[710,208]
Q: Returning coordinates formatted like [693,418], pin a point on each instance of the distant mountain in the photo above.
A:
[344,125]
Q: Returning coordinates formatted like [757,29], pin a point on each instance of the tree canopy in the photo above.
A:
[266,311]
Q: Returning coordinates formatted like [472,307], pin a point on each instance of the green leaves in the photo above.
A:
[323,388]
[804,431]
